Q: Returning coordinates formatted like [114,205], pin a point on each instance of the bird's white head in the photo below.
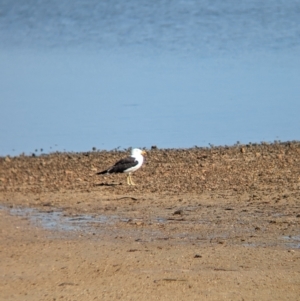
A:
[137,151]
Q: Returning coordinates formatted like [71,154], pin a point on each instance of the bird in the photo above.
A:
[127,165]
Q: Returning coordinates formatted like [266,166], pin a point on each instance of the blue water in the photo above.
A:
[81,74]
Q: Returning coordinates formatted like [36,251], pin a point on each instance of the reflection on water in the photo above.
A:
[110,74]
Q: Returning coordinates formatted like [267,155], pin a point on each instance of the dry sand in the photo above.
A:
[220,223]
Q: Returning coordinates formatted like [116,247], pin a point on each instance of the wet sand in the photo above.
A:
[220,223]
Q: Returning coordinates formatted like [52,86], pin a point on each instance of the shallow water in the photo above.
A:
[171,73]
[58,220]
[292,241]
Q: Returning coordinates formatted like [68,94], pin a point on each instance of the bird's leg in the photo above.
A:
[128,179]
[131,182]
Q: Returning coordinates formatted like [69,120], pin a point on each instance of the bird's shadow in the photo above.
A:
[108,184]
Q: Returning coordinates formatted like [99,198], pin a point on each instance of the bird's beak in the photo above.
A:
[144,152]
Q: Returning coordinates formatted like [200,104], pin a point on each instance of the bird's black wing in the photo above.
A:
[123,164]
[120,166]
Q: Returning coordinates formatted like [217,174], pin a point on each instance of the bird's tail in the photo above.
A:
[102,172]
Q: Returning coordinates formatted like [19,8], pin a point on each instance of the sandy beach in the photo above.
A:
[218,223]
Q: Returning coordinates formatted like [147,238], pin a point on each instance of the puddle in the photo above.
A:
[58,220]
[292,241]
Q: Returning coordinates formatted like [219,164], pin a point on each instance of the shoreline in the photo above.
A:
[195,170]
[36,153]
